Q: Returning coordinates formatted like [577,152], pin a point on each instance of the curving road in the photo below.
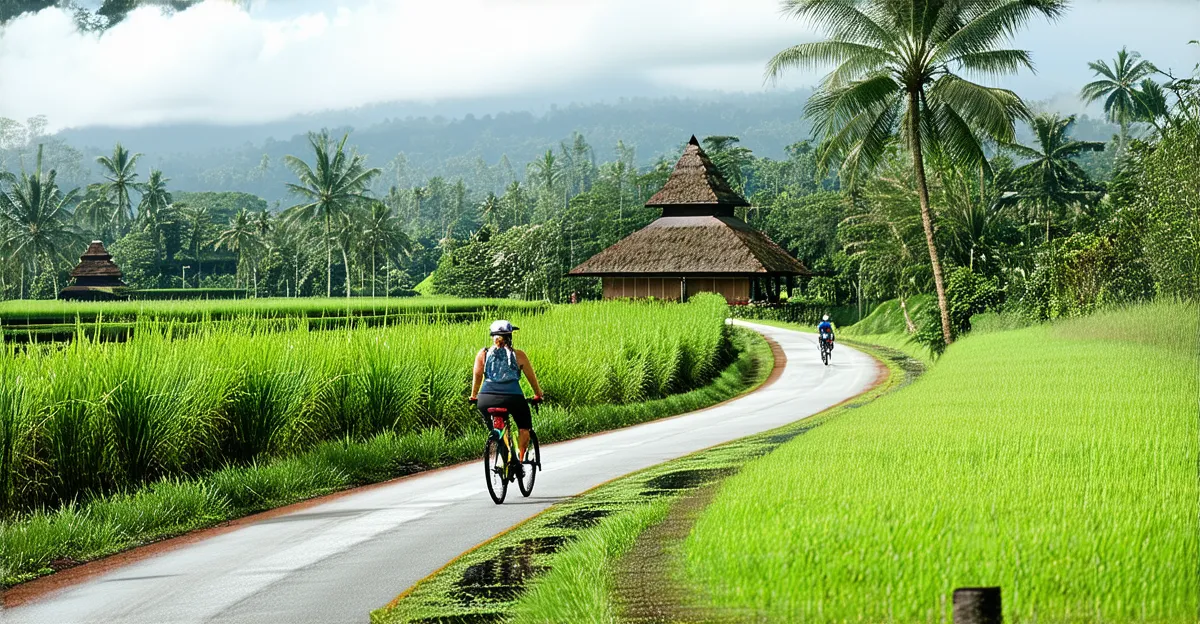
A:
[338,560]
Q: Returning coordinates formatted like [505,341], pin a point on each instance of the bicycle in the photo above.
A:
[500,463]
[825,344]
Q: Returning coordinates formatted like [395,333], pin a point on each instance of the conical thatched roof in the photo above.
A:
[696,245]
[698,233]
[96,262]
[697,183]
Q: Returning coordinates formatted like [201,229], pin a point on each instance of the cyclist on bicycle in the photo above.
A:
[825,329]
[496,382]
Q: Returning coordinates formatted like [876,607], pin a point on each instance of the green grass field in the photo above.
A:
[1058,462]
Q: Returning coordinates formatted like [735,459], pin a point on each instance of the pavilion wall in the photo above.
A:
[734,289]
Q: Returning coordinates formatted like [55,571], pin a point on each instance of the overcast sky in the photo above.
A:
[222,64]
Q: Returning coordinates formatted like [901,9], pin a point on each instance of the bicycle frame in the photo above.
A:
[509,436]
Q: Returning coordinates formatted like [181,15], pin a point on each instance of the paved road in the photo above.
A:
[337,561]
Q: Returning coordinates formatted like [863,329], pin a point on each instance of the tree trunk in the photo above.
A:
[328,261]
[908,323]
[374,273]
[346,261]
[926,216]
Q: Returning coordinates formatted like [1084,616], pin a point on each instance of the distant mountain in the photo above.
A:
[474,141]
[449,141]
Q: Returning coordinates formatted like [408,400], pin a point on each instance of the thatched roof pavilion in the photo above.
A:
[95,277]
[698,245]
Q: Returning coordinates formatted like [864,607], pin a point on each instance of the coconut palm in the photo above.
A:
[730,158]
[95,213]
[347,233]
[154,205]
[1118,86]
[895,77]
[1052,180]
[383,232]
[120,175]
[335,183]
[1152,104]
[547,171]
[491,210]
[241,237]
[418,194]
[35,217]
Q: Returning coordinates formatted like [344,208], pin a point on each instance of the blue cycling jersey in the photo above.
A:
[825,327]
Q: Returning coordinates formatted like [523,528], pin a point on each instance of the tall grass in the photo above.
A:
[97,417]
[107,524]
[1058,462]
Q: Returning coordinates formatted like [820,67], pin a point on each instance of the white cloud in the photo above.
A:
[218,63]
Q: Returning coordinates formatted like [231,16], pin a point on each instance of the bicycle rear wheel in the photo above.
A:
[532,463]
[495,468]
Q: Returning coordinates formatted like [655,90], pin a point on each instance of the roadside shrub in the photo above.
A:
[967,293]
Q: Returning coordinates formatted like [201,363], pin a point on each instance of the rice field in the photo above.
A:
[1057,462]
[27,312]
[91,417]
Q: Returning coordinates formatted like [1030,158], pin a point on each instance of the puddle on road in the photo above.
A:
[501,578]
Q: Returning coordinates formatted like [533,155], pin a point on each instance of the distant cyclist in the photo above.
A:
[825,330]
[496,382]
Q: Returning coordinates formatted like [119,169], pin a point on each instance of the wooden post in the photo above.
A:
[977,605]
[683,290]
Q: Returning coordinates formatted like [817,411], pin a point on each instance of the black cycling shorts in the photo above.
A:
[516,405]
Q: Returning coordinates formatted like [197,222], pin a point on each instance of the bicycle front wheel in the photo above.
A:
[532,463]
[495,468]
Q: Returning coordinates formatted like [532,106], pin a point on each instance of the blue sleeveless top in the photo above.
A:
[501,373]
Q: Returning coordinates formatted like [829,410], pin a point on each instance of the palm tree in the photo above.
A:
[730,158]
[1152,104]
[95,213]
[1118,85]
[383,231]
[35,218]
[977,222]
[241,237]
[335,183]
[418,194]
[347,232]
[894,77]
[155,201]
[1052,179]
[514,203]
[120,174]
[547,171]
[490,210]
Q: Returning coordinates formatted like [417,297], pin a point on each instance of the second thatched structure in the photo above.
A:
[698,245]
